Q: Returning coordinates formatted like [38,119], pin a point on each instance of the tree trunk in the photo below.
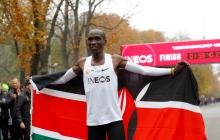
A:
[75,55]
[37,24]
[22,76]
[76,36]
[64,38]
[45,55]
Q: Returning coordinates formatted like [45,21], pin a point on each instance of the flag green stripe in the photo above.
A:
[41,137]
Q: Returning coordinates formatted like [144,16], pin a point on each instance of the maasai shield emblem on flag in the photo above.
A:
[154,108]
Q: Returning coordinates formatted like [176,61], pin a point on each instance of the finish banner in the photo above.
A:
[169,53]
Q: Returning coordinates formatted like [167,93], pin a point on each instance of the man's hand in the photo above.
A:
[22,126]
[13,96]
[180,66]
[18,91]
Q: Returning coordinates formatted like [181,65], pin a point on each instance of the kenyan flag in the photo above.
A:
[154,108]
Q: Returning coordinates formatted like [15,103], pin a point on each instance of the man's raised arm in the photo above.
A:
[147,70]
[71,72]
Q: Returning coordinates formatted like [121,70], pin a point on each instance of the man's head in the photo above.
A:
[96,41]
[27,85]
[15,83]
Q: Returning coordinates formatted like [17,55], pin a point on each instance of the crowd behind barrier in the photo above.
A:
[205,100]
[15,104]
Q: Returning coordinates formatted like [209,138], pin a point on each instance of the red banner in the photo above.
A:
[169,53]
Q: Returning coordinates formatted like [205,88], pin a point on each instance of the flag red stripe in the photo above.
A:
[67,117]
[169,124]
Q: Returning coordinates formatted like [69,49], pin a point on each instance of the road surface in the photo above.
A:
[211,116]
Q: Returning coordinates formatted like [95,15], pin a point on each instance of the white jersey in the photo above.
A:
[101,89]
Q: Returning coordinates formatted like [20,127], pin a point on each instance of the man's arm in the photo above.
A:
[20,102]
[71,73]
[147,70]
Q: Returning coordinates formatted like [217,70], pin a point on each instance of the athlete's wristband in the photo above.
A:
[172,71]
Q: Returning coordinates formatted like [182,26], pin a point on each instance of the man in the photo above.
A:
[23,111]
[14,92]
[4,115]
[101,87]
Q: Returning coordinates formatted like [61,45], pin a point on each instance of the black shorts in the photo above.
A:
[114,131]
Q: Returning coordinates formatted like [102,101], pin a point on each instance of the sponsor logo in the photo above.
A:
[143,55]
[97,79]
[140,58]
[105,69]
[89,71]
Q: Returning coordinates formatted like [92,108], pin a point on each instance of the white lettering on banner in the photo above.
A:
[170,57]
[140,59]
[192,46]
[216,45]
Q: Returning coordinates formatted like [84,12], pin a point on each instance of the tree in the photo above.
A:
[81,23]
[207,81]
[45,56]
[7,64]
[117,29]
[150,36]
[26,23]
[32,24]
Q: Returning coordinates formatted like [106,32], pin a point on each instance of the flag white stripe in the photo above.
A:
[64,95]
[168,104]
[142,92]
[51,134]
[139,104]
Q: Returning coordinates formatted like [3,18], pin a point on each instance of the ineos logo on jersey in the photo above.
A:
[101,79]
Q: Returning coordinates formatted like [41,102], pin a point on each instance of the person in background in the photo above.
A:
[23,111]
[14,92]
[4,114]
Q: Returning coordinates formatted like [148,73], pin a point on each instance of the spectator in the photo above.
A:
[23,111]
[14,92]
[4,114]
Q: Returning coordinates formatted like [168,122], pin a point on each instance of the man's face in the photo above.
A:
[28,88]
[96,42]
[15,83]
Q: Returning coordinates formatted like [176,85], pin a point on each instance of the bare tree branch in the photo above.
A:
[52,29]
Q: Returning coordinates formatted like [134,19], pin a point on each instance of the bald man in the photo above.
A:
[14,92]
